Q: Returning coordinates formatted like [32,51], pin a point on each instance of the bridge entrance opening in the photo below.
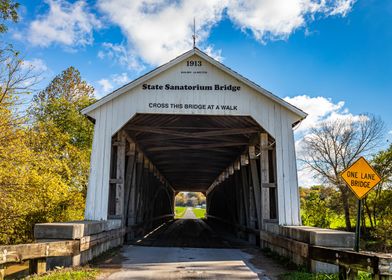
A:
[190,205]
[156,157]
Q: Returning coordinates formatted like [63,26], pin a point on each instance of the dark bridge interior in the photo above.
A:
[231,159]
[191,151]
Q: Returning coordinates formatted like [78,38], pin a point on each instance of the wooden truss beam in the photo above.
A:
[196,146]
[218,132]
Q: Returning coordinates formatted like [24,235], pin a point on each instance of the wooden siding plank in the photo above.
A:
[120,172]
[286,171]
[255,185]
[264,174]
[106,147]
[280,168]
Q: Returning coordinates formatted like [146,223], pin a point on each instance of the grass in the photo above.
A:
[297,275]
[309,276]
[180,211]
[81,273]
[199,212]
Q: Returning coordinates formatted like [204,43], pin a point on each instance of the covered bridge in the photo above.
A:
[193,124]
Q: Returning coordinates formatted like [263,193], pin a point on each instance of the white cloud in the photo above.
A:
[107,85]
[216,54]
[277,19]
[390,132]
[120,79]
[120,54]
[35,64]
[158,30]
[69,24]
[317,108]
[342,7]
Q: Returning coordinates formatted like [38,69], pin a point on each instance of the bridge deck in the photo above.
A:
[188,249]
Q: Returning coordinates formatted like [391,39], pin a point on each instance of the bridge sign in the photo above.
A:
[360,177]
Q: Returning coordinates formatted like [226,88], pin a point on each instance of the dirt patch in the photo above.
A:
[273,268]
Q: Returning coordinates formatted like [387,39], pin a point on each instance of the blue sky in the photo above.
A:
[330,58]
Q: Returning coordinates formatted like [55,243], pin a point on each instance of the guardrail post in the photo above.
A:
[2,271]
[347,273]
[342,272]
[37,266]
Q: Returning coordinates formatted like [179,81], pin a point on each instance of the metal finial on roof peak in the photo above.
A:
[194,33]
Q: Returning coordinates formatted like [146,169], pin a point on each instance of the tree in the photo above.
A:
[180,199]
[8,11]
[44,165]
[334,145]
[60,104]
[65,132]
[42,173]
[377,204]
[319,206]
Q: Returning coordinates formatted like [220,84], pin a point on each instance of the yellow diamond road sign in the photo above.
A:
[360,177]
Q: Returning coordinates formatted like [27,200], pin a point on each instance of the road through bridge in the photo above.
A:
[189,248]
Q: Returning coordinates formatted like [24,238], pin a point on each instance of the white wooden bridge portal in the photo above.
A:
[193,125]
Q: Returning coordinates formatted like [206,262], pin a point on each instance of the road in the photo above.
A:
[189,214]
[187,249]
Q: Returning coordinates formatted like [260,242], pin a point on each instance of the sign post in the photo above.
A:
[361,178]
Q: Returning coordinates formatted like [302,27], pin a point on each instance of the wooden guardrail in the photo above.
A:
[37,253]
[377,264]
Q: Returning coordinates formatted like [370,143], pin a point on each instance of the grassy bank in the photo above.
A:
[179,211]
[199,212]
[81,273]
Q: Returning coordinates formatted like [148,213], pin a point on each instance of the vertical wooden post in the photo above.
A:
[264,174]
[255,183]
[347,273]
[139,187]
[2,271]
[37,266]
[130,189]
[120,174]
[245,188]
[239,194]
[144,189]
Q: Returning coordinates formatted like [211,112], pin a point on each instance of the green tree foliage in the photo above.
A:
[60,104]
[378,204]
[8,11]
[44,164]
[190,199]
[180,199]
[64,132]
[44,160]
[316,203]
